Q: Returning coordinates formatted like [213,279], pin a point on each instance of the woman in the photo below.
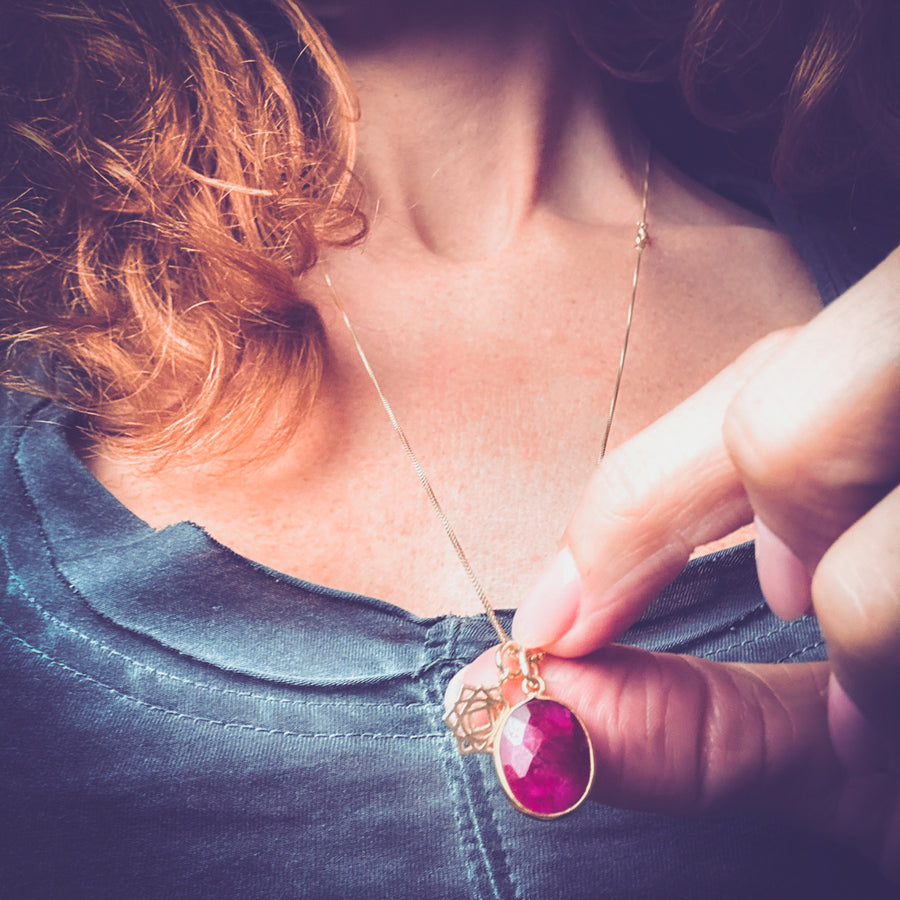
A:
[203,698]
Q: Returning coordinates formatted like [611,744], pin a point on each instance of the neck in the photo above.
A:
[467,128]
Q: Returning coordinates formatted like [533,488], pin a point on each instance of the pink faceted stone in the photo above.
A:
[544,756]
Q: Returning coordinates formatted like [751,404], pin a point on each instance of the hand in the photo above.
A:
[804,432]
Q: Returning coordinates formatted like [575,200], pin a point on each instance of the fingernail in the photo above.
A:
[783,578]
[857,744]
[551,606]
[481,672]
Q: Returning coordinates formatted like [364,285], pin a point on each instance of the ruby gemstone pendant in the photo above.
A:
[544,758]
[542,751]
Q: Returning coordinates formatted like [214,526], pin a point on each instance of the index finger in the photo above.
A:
[669,489]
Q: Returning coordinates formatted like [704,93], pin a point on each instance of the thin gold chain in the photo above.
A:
[640,242]
[417,466]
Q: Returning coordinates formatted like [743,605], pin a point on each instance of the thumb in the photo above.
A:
[689,736]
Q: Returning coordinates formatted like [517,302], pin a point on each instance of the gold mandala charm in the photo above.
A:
[473,718]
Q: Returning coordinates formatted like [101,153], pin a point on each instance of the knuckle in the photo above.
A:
[618,493]
[767,459]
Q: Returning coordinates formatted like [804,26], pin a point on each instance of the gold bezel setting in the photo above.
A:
[499,764]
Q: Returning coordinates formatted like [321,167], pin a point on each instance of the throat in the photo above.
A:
[462,134]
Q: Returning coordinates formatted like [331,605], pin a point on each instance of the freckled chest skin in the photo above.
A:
[490,297]
[504,409]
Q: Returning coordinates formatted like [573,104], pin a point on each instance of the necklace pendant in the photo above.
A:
[542,752]
[473,718]
[544,758]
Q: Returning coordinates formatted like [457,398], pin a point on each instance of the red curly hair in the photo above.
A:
[169,170]
[170,183]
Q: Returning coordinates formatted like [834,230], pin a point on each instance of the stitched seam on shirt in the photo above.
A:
[505,852]
[454,765]
[241,726]
[477,829]
[104,648]
[67,586]
[801,651]
[749,614]
[778,629]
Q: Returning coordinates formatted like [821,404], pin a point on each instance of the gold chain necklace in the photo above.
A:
[541,749]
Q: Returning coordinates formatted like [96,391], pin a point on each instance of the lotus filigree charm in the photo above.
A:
[473,718]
